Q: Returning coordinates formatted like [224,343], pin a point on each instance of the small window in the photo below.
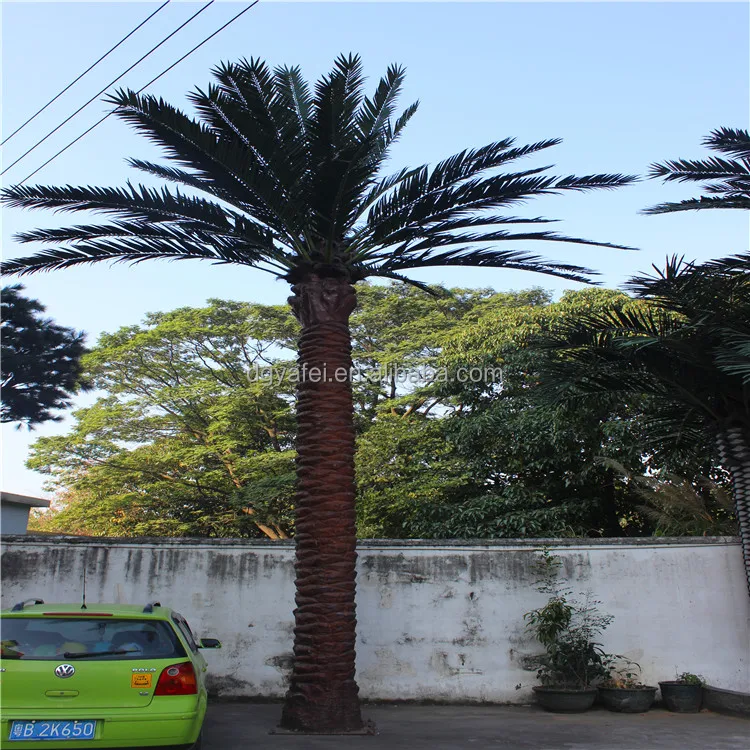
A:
[181,623]
[37,638]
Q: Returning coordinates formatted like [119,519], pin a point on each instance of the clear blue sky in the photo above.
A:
[623,84]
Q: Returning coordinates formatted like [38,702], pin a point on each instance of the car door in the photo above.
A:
[201,666]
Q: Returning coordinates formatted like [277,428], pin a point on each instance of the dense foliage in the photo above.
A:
[194,431]
[40,361]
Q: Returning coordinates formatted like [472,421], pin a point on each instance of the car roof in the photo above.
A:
[92,610]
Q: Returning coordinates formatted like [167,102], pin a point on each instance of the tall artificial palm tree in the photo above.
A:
[689,350]
[728,180]
[286,178]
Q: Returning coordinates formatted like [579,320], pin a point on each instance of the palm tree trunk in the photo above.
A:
[734,451]
[323,694]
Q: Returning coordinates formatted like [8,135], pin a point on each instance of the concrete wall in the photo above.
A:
[437,621]
[14,518]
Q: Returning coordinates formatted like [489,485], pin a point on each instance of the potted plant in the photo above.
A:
[623,690]
[684,694]
[566,628]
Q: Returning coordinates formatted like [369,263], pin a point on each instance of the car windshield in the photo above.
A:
[90,638]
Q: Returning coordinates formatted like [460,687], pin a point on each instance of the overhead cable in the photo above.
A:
[153,80]
[99,93]
[90,68]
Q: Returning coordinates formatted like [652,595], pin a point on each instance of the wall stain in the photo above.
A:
[282,662]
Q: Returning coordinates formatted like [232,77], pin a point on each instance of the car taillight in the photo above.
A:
[178,679]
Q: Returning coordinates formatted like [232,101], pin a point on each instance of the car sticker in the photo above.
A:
[140,680]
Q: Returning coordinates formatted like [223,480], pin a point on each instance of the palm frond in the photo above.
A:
[227,164]
[687,170]
[483,257]
[427,288]
[334,108]
[728,179]
[294,93]
[258,107]
[734,356]
[374,113]
[739,263]
[401,122]
[241,231]
[135,202]
[423,199]
[158,243]
[729,141]
[183,177]
[699,204]
[444,239]
[349,152]
[381,187]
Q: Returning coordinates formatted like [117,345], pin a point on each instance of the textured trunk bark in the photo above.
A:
[323,694]
[734,450]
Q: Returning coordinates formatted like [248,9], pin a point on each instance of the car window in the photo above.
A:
[37,638]
[181,623]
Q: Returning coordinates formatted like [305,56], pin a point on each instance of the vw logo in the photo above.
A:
[65,670]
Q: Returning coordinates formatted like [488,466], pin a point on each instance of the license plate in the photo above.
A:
[52,730]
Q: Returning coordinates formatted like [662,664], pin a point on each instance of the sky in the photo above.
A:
[623,84]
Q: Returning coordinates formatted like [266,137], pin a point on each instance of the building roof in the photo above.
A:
[33,502]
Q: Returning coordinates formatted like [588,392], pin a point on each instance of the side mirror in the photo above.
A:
[209,643]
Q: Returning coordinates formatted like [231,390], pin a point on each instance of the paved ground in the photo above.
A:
[246,726]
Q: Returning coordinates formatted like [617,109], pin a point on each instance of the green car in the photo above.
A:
[103,675]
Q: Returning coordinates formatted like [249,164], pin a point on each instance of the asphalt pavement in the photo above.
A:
[246,726]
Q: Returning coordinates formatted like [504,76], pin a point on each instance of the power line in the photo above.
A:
[91,67]
[153,80]
[99,93]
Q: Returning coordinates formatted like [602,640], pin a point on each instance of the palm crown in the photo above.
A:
[292,176]
[687,348]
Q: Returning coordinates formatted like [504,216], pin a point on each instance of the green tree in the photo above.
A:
[535,464]
[406,466]
[41,368]
[398,333]
[186,424]
[728,180]
[494,464]
[686,351]
[290,183]
[167,442]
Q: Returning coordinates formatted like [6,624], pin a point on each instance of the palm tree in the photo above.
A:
[286,178]
[688,351]
[728,179]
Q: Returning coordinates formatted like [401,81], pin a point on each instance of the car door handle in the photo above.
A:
[61,693]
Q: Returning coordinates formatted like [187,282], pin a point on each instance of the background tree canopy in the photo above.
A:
[194,430]
[40,361]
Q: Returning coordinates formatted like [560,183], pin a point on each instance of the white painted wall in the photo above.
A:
[437,621]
